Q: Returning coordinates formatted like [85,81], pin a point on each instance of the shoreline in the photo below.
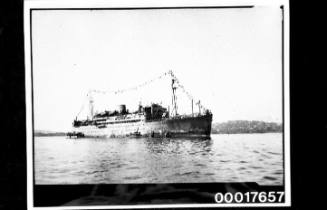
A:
[64,135]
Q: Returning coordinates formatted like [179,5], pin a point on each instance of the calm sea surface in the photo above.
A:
[224,158]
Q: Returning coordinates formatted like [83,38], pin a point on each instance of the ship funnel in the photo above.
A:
[140,108]
[122,108]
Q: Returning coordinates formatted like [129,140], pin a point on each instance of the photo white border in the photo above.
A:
[35,4]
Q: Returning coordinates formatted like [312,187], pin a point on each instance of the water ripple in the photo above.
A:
[237,158]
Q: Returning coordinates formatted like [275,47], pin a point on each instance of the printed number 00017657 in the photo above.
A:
[250,197]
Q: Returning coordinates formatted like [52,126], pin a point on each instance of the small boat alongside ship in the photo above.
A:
[153,121]
[75,135]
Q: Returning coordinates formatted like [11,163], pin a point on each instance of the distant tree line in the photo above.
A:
[244,126]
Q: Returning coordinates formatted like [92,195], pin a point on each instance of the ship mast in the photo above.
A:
[91,107]
[174,97]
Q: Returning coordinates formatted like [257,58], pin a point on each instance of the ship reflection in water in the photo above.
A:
[223,158]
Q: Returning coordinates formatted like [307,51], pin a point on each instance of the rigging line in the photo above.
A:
[80,110]
[130,88]
[183,89]
[170,72]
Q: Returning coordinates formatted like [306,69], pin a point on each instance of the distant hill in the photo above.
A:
[48,133]
[244,126]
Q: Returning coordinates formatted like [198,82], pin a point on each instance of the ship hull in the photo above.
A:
[189,126]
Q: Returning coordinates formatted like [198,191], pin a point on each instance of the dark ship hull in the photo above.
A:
[182,126]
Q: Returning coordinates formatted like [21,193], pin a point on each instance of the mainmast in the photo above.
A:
[174,97]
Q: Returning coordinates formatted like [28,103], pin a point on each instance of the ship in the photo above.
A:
[153,120]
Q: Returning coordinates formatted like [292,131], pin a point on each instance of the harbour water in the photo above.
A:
[223,158]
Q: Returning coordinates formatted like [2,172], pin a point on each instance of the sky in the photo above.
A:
[229,59]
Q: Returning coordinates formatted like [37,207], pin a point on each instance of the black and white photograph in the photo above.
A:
[157,104]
